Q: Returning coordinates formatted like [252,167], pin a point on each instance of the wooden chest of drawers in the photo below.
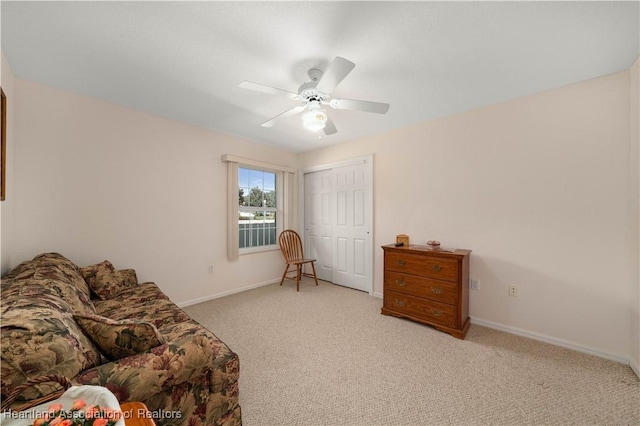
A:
[428,286]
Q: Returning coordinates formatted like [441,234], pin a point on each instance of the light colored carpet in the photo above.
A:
[326,356]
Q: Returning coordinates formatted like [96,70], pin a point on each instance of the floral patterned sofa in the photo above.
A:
[98,326]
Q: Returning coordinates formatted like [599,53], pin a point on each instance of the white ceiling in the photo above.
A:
[184,60]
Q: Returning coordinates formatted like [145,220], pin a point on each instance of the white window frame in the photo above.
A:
[284,202]
[277,209]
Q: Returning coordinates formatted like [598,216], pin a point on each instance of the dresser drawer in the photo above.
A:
[434,312]
[433,267]
[440,291]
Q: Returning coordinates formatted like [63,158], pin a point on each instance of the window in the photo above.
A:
[257,208]
[259,204]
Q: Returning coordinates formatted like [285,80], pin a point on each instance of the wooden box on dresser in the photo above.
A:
[429,286]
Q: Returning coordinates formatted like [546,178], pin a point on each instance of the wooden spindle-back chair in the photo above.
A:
[291,246]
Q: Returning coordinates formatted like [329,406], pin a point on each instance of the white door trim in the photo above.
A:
[366,159]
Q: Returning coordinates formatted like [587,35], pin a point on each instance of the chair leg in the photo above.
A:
[298,272]
[313,268]
[286,269]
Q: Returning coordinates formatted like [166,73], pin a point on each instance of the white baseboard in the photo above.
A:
[635,367]
[553,340]
[226,293]
[377,295]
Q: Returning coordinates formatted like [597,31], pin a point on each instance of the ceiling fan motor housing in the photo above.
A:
[308,92]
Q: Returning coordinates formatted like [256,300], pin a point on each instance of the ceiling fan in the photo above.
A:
[317,92]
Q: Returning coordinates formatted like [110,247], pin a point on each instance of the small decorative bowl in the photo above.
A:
[433,244]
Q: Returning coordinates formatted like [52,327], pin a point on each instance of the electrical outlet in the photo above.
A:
[474,284]
[211,268]
[513,290]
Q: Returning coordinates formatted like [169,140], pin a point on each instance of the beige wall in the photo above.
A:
[634,157]
[7,206]
[96,181]
[537,187]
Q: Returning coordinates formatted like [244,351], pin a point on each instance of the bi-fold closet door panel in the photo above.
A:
[338,224]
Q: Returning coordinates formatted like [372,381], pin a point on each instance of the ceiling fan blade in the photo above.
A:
[266,89]
[337,71]
[287,113]
[329,127]
[354,105]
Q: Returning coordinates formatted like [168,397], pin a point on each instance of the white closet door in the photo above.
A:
[318,228]
[338,224]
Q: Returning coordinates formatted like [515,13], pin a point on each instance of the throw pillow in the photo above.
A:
[103,279]
[120,338]
[129,276]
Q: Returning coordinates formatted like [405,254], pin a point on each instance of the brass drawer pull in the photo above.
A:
[401,283]
[436,268]
[401,302]
[401,262]
[437,290]
[436,312]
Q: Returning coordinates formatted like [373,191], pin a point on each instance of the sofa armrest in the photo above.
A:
[138,377]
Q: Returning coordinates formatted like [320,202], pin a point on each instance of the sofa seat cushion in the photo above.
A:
[40,337]
[120,338]
[143,302]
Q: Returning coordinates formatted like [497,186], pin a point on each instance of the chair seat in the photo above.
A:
[296,261]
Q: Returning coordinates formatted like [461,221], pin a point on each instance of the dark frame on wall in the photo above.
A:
[3,137]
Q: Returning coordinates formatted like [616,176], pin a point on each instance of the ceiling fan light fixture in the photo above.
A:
[315,119]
